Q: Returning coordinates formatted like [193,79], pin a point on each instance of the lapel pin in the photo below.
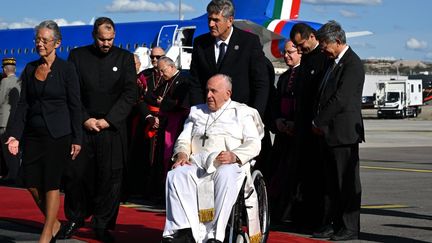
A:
[115,69]
[236,47]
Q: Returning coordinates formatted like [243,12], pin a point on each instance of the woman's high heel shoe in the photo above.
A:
[54,237]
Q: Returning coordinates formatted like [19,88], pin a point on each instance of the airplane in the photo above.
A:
[271,20]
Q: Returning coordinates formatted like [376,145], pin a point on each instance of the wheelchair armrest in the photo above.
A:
[252,163]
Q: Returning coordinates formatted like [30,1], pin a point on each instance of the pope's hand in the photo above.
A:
[181,160]
[226,157]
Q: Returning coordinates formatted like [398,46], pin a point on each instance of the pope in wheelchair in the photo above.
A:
[211,158]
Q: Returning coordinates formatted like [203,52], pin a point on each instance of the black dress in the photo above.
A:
[47,122]
[44,157]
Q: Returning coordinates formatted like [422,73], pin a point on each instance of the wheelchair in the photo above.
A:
[238,225]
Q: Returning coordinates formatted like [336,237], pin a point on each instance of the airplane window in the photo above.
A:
[120,45]
[12,51]
[419,88]
[19,51]
[135,45]
[127,46]
[61,49]
[67,48]
[5,51]
[25,50]
[33,50]
[412,88]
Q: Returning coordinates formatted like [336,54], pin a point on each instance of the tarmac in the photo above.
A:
[396,174]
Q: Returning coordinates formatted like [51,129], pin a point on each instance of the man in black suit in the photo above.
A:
[308,211]
[230,51]
[338,119]
[108,91]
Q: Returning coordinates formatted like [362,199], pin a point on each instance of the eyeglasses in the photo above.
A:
[44,41]
[155,56]
[288,52]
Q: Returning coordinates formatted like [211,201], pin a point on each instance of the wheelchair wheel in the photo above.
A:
[234,230]
[242,238]
[264,214]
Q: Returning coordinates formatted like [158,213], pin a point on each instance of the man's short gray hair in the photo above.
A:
[50,24]
[167,60]
[227,79]
[224,6]
[10,68]
[330,32]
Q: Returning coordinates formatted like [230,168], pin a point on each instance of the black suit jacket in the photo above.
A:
[339,108]
[243,61]
[310,74]
[108,83]
[60,101]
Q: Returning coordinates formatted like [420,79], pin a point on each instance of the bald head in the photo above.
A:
[155,54]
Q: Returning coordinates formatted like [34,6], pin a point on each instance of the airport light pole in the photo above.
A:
[180,3]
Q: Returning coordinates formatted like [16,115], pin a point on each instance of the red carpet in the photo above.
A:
[132,225]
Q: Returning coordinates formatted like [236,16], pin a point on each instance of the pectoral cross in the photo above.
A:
[204,137]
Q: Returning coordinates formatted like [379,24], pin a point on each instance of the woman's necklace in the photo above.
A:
[204,137]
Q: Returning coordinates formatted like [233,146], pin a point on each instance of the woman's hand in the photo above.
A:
[13,145]
[75,150]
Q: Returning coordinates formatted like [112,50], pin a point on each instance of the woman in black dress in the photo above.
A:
[47,124]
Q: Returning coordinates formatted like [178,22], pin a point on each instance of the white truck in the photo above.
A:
[399,98]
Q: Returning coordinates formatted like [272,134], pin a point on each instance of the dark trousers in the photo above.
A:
[92,182]
[342,188]
[309,177]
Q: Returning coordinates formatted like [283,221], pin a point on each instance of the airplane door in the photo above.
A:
[166,36]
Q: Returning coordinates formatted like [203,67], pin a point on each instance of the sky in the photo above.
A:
[401,28]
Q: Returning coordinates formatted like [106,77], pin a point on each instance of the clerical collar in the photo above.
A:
[215,116]
[175,75]
[223,107]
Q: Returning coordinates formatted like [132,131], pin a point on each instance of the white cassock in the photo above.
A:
[234,127]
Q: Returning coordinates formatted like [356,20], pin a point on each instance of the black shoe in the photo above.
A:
[213,241]
[181,236]
[53,239]
[104,236]
[7,182]
[344,234]
[167,240]
[324,232]
[68,230]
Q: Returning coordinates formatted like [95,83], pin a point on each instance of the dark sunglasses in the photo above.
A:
[155,56]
